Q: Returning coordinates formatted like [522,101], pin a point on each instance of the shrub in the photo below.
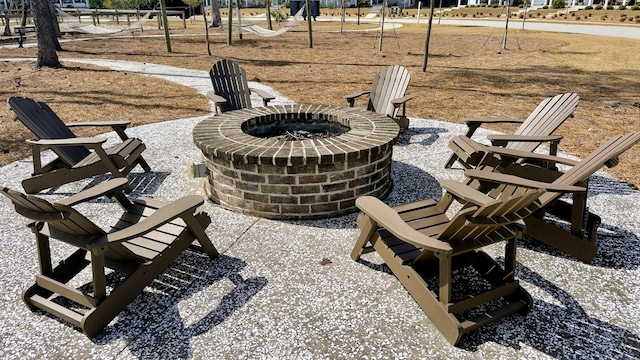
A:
[609,7]
[577,17]
[557,4]
[622,7]
[635,7]
[545,7]
[278,16]
[603,17]
[598,7]
[588,7]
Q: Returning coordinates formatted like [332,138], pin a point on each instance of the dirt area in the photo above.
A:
[468,75]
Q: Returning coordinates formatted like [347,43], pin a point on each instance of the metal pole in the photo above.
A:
[308,9]
[384,6]
[165,21]
[230,31]
[426,44]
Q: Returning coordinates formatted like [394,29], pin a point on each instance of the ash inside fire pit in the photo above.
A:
[294,130]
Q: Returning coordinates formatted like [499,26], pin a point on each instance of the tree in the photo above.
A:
[47,40]
[216,20]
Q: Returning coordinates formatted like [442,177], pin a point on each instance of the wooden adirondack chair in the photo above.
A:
[533,131]
[424,249]
[231,90]
[140,245]
[78,158]
[514,167]
[387,94]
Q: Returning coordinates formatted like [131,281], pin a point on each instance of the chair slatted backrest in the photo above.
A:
[63,218]
[545,119]
[482,225]
[229,80]
[43,122]
[388,84]
[606,154]
[65,223]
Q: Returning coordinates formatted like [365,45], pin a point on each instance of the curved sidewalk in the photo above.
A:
[268,296]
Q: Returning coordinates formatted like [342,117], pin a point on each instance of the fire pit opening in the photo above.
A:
[312,126]
[253,169]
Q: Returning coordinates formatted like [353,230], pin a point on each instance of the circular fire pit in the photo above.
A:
[296,161]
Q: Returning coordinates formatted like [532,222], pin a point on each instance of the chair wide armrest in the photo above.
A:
[182,207]
[402,100]
[391,221]
[119,124]
[356,95]
[529,156]
[107,188]
[520,181]
[351,98]
[478,122]
[501,140]
[96,140]
[216,98]
[465,193]
[263,94]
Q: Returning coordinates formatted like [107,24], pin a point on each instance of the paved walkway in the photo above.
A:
[268,296]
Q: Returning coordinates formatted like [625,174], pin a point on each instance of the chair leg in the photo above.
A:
[99,317]
[197,225]
[143,164]
[367,230]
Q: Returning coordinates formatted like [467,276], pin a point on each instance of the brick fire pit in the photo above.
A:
[252,170]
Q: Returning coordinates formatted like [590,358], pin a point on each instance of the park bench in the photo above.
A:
[22,32]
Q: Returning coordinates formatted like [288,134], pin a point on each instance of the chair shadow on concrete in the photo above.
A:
[561,329]
[618,248]
[152,324]
[143,184]
[420,136]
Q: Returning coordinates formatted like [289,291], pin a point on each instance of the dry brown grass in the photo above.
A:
[468,75]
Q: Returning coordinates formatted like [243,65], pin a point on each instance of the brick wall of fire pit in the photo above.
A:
[299,179]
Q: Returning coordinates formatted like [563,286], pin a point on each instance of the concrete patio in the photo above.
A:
[269,296]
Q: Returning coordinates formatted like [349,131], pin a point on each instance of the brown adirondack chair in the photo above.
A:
[533,131]
[424,249]
[388,93]
[77,158]
[140,245]
[231,90]
[514,167]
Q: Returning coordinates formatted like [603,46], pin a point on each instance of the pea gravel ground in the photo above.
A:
[269,297]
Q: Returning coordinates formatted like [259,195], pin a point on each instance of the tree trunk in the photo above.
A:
[7,26]
[53,17]
[216,20]
[42,19]
[426,42]
[206,28]
[25,12]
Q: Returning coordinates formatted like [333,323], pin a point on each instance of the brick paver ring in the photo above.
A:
[300,179]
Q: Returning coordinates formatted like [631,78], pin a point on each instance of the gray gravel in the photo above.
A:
[267,296]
